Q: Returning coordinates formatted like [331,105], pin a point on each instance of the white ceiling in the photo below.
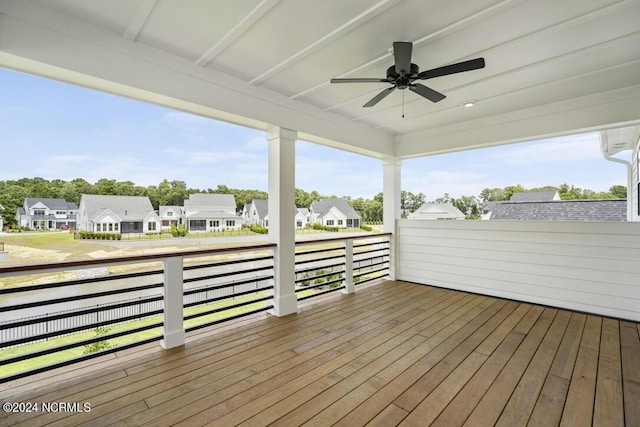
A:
[554,67]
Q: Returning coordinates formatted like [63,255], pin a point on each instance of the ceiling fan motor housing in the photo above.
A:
[402,81]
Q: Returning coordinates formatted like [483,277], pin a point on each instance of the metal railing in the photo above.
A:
[103,306]
[330,265]
[53,315]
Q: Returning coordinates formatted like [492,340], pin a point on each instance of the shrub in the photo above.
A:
[182,231]
[98,345]
[366,227]
[317,226]
[258,229]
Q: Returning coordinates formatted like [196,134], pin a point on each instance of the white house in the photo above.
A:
[1,219]
[334,213]
[303,217]
[117,214]
[257,212]
[437,211]
[46,213]
[211,212]
[170,215]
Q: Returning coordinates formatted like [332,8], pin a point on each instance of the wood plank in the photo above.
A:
[490,407]
[444,358]
[390,416]
[578,409]
[630,355]
[465,401]
[412,396]
[212,388]
[548,409]
[211,397]
[523,400]
[447,357]
[186,365]
[268,409]
[271,411]
[608,408]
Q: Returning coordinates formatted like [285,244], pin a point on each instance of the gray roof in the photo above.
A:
[563,210]
[323,206]
[54,204]
[163,209]
[437,211]
[128,208]
[535,196]
[302,211]
[262,206]
[210,200]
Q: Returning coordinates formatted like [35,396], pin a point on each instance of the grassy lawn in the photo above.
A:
[46,246]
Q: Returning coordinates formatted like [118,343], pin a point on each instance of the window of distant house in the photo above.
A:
[231,222]
[110,226]
[339,222]
[216,223]
[329,222]
[61,213]
[152,226]
[98,227]
[115,226]
[38,211]
[169,213]
[299,223]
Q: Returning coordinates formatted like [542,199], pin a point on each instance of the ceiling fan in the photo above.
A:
[403,74]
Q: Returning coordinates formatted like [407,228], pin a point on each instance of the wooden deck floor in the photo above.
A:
[393,354]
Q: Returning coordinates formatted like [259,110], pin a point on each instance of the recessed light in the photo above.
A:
[469,104]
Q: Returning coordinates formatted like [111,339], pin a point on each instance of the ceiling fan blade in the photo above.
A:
[427,92]
[379,96]
[360,80]
[473,64]
[402,55]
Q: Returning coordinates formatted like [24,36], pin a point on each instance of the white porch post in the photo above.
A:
[349,285]
[282,217]
[391,173]
[173,304]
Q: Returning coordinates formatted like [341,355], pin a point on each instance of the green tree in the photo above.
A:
[619,191]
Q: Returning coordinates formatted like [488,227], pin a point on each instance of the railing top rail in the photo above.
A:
[341,239]
[40,268]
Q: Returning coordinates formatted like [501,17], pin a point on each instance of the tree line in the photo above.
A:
[167,193]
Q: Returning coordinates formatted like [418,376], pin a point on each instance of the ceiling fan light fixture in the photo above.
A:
[469,103]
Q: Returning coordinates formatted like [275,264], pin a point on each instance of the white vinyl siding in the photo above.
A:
[585,266]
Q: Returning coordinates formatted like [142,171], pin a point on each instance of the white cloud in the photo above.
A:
[435,184]
[563,149]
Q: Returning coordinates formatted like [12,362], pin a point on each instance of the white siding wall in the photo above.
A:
[585,266]
[635,174]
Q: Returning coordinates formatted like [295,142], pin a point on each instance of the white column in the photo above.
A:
[173,305]
[391,173]
[349,286]
[282,217]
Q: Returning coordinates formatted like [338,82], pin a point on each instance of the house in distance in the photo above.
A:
[117,214]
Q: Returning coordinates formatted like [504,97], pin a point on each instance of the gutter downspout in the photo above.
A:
[604,148]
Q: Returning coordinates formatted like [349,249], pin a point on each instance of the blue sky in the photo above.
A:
[55,130]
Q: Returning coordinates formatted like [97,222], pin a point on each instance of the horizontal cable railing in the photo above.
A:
[56,314]
[330,265]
